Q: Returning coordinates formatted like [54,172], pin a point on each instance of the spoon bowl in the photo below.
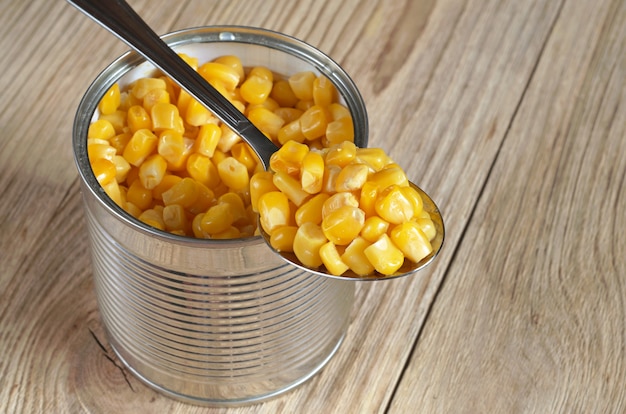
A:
[121,20]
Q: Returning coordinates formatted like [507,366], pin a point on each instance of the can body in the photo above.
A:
[211,322]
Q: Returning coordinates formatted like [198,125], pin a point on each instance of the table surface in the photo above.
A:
[511,114]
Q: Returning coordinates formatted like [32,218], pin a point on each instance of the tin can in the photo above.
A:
[211,322]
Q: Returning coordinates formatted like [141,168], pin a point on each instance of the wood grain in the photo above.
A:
[509,113]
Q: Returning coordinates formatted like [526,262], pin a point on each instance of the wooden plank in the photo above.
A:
[530,316]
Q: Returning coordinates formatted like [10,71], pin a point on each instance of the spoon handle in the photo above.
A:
[121,20]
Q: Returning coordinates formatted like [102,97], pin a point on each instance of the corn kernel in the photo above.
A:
[288,114]
[393,206]
[290,187]
[232,61]
[255,89]
[245,155]
[152,171]
[368,197]
[354,257]
[375,158]
[110,101]
[283,94]
[414,198]
[260,183]
[311,210]
[117,119]
[313,122]
[152,218]
[267,121]
[338,111]
[196,114]
[139,195]
[216,71]
[122,168]
[217,219]
[138,118]
[202,169]
[204,198]
[341,154]
[312,173]
[100,149]
[261,72]
[155,96]
[427,226]
[233,173]
[306,245]
[104,170]
[120,141]
[236,206]
[411,240]
[331,171]
[302,85]
[282,238]
[184,193]
[141,145]
[331,258]
[166,183]
[352,177]
[338,200]
[274,211]
[390,175]
[384,256]
[164,116]
[101,129]
[289,158]
[343,224]
[230,233]
[175,218]
[373,228]
[144,85]
[339,131]
[174,148]
[323,91]
[207,139]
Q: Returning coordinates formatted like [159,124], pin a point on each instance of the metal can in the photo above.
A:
[211,322]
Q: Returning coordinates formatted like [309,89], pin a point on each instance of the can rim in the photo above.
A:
[205,34]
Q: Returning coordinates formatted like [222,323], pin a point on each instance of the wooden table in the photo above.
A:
[511,114]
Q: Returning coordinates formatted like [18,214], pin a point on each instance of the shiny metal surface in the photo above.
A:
[212,322]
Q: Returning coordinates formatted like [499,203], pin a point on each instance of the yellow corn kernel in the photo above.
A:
[384,256]
[132,209]
[138,118]
[233,173]
[302,85]
[331,171]
[352,177]
[184,193]
[255,90]
[230,233]
[261,72]
[260,183]
[306,245]
[144,85]
[331,258]
[373,228]
[290,132]
[196,114]
[196,228]
[100,149]
[141,145]
[343,224]
[304,105]
[274,211]
[227,139]
[104,170]
[283,94]
[393,206]
[427,226]
[175,218]
[101,129]
[117,119]
[311,210]
[323,91]
[132,175]
[290,187]
[375,158]
[122,168]
[339,131]
[114,191]
[205,198]
[166,183]
[245,155]
[202,169]
[267,121]
[154,97]
[237,207]
[164,116]
[120,141]
[288,114]
[183,102]
[217,219]
[218,156]
[338,111]
[282,238]
[233,61]
[289,158]
[312,173]
[354,257]
[152,171]
[368,197]
[269,104]
[313,122]
[414,198]
[174,148]
[207,139]
[341,154]
[337,201]
[216,71]
[191,61]
[411,240]
[139,195]
[110,101]
[152,218]
[390,175]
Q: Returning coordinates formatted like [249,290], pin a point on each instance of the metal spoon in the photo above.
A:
[121,20]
